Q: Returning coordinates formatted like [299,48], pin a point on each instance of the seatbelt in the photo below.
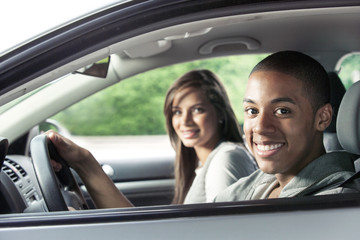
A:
[355,175]
[349,180]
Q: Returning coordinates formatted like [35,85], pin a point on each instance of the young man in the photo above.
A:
[287,108]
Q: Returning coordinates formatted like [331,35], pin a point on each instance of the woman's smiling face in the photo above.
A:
[194,119]
[279,123]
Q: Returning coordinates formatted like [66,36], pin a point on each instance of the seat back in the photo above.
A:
[348,122]
[337,91]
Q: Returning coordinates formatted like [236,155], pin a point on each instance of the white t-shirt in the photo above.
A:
[225,165]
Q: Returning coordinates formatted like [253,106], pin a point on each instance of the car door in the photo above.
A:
[140,166]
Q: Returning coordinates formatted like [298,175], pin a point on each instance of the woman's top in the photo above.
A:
[225,165]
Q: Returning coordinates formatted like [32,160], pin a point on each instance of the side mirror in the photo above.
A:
[98,69]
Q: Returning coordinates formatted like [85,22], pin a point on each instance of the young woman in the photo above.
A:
[204,132]
[206,137]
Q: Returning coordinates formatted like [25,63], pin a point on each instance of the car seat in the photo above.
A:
[337,91]
[348,122]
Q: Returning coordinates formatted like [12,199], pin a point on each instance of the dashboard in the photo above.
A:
[19,190]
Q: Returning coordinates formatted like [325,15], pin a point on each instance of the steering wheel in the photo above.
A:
[59,189]
[4,144]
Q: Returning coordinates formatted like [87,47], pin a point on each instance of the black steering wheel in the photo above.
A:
[59,189]
[4,144]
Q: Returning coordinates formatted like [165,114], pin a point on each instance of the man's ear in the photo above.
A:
[323,117]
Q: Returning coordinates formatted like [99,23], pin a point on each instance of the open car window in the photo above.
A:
[349,69]
[124,125]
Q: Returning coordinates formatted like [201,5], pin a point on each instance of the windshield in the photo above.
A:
[25,20]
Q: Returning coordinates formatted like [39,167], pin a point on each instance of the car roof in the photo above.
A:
[326,30]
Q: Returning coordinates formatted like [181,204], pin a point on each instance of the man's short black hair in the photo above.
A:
[303,67]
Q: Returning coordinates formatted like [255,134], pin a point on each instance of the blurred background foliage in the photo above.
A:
[350,70]
[134,106]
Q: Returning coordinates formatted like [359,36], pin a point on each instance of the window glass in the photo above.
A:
[350,69]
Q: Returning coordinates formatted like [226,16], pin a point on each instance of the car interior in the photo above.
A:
[127,40]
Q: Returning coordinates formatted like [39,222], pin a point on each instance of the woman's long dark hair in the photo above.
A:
[186,160]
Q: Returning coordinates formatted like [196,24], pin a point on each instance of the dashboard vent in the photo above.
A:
[13,170]
[11,173]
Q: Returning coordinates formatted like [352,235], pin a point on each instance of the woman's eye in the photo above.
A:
[176,112]
[282,111]
[198,110]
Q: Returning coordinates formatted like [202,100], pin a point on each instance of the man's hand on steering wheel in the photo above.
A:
[57,183]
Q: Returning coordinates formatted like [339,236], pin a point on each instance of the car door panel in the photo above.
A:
[142,167]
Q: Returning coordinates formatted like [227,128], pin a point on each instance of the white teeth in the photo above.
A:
[188,132]
[268,147]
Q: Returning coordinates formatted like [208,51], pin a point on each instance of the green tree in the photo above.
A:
[350,70]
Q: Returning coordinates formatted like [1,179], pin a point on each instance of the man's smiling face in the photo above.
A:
[279,123]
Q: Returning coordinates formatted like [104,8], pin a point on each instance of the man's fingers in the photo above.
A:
[56,166]
[71,209]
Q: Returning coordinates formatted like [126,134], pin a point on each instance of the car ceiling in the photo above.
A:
[323,33]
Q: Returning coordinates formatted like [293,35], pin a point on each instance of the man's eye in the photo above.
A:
[251,111]
[282,111]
